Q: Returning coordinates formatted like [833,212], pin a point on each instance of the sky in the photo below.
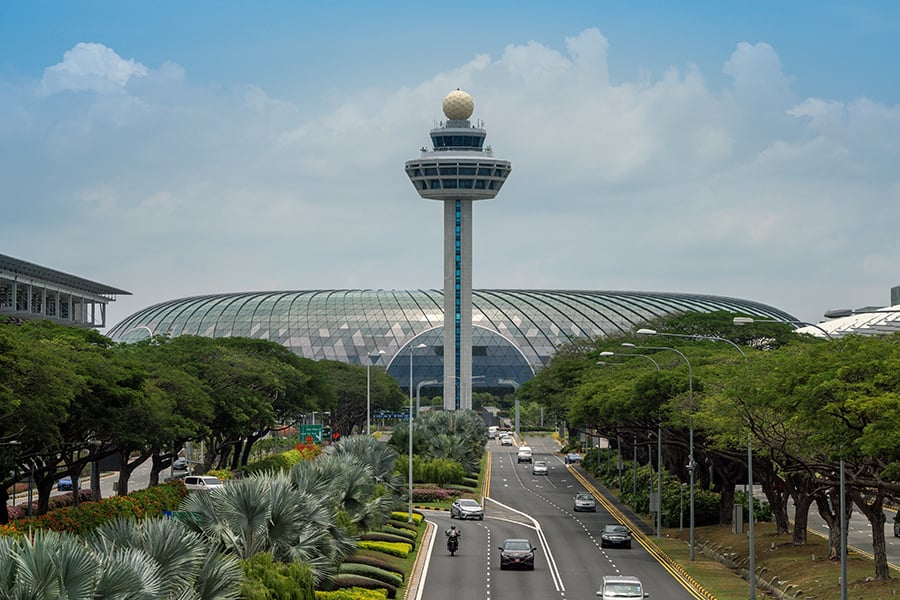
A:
[174,149]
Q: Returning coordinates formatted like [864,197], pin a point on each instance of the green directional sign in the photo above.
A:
[311,431]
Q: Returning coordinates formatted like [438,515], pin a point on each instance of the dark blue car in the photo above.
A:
[64,484]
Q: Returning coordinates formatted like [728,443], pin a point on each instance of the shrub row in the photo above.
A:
[87,516]
[376,536]
[380,562]
[417,517]
[352,593]
[433,494]
[394,549]
[371,572]
[399,531]
[358,581]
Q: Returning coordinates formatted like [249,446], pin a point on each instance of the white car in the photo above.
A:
[202,483]
[524,454]
[539,467]
[506,440]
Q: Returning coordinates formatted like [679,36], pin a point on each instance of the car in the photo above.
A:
[621,586]
[517,553]
[179,464]
[615,535]
[506,440]
[202,483]
[64,484]
[466,508]
[539,467]
[524,454]
[584,501]
[573,458]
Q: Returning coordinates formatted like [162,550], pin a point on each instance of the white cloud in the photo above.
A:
[90,67]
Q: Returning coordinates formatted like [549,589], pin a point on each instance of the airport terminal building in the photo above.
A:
[515,332]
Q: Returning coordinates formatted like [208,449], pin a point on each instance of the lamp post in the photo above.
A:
[412,350]
[749,320]
[691,464]
[373,356]
[515,385]
[658,446]
[419,391]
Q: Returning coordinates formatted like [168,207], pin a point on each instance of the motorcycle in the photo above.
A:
[453,544]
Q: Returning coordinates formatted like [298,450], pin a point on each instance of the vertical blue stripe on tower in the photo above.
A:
[457,299]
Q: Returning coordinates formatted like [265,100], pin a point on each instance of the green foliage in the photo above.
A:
[265,579]
[417,517]
[377,559]
[371,572]
[400,531]
[353,593]
[278,462]
[358,581]
[376,536]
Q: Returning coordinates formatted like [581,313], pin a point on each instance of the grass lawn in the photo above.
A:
[806,568]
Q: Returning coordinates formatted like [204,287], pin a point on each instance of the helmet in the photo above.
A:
[453,527]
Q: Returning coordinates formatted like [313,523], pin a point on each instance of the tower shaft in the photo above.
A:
[457,304]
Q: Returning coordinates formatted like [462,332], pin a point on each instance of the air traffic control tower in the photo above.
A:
[457,171]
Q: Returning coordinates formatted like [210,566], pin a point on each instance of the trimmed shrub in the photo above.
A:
[345,581]
[398,524]
[371,572]
[375,536]
[402,532]
[394,549]
[417,517]
[352,593]
[376,561]
[428,493]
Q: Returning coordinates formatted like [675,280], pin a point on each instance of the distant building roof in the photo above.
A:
[10,267]
[864,321]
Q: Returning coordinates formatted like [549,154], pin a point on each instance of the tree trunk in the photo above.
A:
[873,508]
[830,513]
[802,502]
[4,496]
[726,505]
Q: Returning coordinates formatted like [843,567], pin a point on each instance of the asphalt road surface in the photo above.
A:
[569,562]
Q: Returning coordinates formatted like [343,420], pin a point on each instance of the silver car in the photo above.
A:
[539,468]
[466,508]
[585,501]
[622,586]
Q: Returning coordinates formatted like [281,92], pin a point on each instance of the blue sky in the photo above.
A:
[182,148]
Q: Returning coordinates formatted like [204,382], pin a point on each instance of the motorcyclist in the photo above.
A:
[453,534]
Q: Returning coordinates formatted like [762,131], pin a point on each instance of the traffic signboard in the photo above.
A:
[310,431]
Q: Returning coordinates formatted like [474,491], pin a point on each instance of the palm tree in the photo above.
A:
[121,560]
[268,513]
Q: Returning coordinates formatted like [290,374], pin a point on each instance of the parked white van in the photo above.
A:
[202,482]
[524,454]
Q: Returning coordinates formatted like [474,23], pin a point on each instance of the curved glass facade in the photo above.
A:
[515,331]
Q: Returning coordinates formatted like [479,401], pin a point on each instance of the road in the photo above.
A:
[569,562]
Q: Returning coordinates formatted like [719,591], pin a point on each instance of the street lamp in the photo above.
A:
[691,464]
[419,390]
[412,350]
[749,320]
[373,356]
[515,386]
[658,446]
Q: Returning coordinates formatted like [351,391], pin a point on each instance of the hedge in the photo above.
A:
[371,572]
[376,561]
[394,549]
[345,581]
[393,538]
[353,593]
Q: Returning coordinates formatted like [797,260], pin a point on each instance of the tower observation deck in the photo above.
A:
[458,170]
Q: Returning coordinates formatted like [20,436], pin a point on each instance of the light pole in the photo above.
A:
[658,446]
[373,356]
[691,464]
[749,320]
[412,350]
[515,386]
[419,391]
